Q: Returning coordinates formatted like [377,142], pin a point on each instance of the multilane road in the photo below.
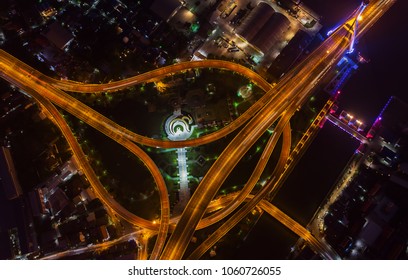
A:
[27,83]
[283,168]
[124,213]
[289,94]
[292,91]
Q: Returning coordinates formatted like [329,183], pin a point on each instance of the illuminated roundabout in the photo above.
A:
[47,90]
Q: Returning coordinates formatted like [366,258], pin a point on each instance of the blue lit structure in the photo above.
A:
[355,23]
[345,68]
[353,28]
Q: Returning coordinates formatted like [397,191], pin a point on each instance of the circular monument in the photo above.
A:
[179,127]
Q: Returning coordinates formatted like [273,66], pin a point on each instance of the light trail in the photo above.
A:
[291,92]
[320,60]
[242,212]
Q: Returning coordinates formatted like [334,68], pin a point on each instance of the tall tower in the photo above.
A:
[355,19]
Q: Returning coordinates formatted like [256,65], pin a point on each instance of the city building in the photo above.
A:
[165,9]
[263,27]
[368,219]
[58,35]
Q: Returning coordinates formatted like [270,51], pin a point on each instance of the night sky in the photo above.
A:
[385,75]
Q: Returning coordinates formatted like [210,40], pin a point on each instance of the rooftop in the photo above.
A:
[165,8]
[58,35]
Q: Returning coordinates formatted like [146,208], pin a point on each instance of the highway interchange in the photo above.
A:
[278,104]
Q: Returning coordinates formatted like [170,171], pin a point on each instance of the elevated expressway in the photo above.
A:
[106,198]
[63,100]
[26,78]
[18,70]
[117,208]
[11,67]
[286,163]
[290,93]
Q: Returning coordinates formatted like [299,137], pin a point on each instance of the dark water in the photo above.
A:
[314,175]
[302,193]
[370,88]
[332,12]
[268,240]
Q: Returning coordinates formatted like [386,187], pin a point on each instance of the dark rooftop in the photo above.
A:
[263,27]
[165,8]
